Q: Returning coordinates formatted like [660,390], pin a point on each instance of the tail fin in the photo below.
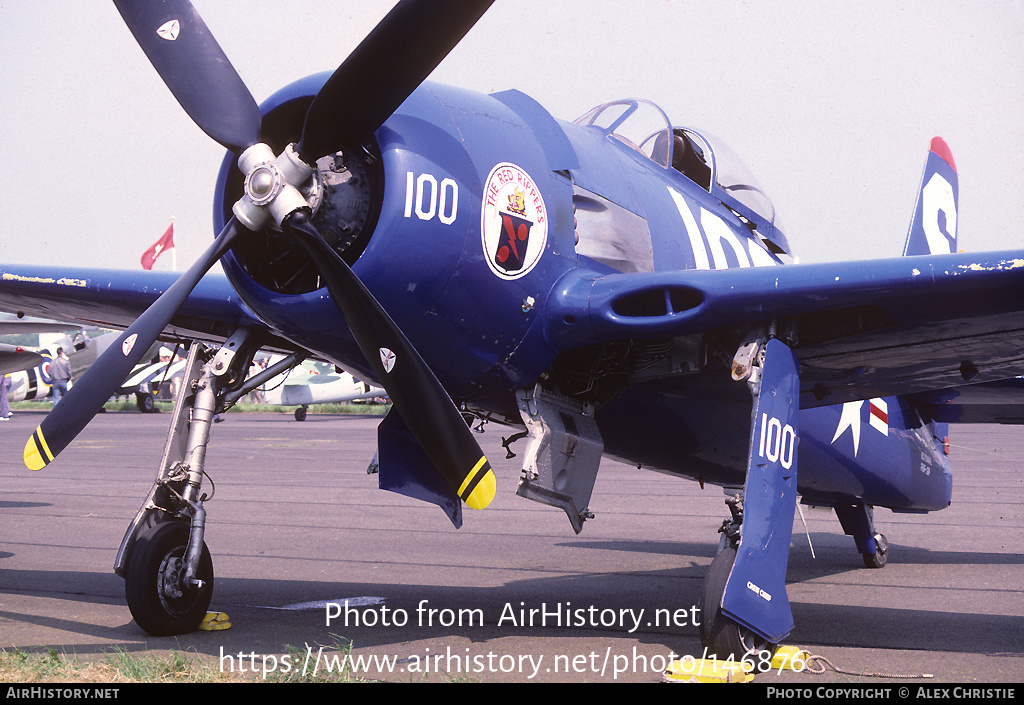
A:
[933,228]
[933,232]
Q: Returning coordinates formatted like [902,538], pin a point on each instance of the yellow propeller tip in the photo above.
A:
[483,493]
[479,487]
[37,453]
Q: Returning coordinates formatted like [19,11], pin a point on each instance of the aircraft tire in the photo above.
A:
[880,557]
[718,633]
[145,402]
[153,571]
[300,414]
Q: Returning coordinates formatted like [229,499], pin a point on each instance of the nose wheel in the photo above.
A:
[160,598]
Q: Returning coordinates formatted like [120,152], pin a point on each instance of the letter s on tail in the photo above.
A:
[933,227]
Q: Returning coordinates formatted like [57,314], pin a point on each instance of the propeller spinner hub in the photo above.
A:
[262,184]
[271,185]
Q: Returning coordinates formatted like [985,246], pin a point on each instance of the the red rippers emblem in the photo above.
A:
[515,222]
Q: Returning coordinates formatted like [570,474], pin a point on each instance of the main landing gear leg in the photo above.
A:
[744,606]
[165,564]
[163,559]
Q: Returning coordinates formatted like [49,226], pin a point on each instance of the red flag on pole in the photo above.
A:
[165,242]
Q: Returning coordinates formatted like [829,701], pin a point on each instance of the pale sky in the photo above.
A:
[832,105]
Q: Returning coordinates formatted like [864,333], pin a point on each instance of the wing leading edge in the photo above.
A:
[862,329]
[115,298]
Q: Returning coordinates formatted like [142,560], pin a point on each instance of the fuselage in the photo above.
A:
[472,218]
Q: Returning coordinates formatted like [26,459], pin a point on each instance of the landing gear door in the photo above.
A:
[563,455]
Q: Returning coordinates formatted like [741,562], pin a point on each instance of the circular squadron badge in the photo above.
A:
[515,222]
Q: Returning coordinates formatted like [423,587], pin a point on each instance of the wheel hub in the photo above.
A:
[171,590]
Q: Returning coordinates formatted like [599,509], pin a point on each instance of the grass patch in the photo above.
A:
[120,666]
[299,660]
[166,406]
[344,408]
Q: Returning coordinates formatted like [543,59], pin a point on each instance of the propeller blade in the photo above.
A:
[105,376]
[383,71]
[420,399]
[192,64]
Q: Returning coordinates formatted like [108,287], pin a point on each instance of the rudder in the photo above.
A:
[933,227]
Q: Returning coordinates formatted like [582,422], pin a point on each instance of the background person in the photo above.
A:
[5,406]
[60,374]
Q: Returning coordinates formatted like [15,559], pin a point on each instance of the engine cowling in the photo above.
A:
[451,216]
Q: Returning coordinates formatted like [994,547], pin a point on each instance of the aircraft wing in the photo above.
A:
[18,327]
[990,402]
[863,329]
[115,298]
[15,358]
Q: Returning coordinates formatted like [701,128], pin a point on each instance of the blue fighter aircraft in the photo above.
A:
[615,286]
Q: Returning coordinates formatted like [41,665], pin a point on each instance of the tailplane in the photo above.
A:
[933,228]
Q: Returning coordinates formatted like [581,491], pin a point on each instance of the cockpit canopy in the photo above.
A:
[701,157]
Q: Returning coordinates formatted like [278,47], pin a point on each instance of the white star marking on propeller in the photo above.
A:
[169,30]
[387,358]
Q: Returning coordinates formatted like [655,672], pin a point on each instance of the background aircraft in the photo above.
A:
[23,354]
[162,371]
[605,320]
[29,366]
[313,382]
[28,362]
